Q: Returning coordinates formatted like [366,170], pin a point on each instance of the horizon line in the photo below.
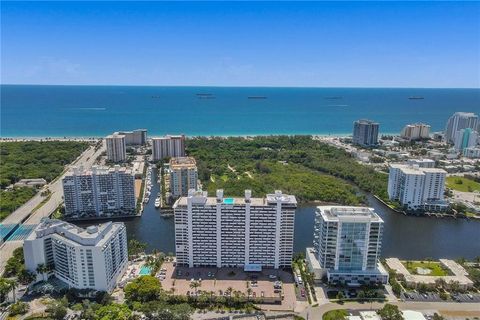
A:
[230,86]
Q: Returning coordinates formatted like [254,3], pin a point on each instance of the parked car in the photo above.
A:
[272,276]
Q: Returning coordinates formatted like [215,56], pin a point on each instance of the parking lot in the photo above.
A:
[416,296]
[273,286]
[465,297]
[435,297]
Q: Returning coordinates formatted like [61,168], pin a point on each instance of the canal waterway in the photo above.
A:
[406,237]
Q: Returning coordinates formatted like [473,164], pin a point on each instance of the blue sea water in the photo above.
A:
[57,111]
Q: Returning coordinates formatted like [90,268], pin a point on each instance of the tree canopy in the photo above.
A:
[301,165]
[143,289]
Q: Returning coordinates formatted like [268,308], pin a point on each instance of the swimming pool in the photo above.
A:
[144,270]
[228,200]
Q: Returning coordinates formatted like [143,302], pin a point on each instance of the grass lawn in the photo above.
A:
[462,184]
[335,315]
[434,267]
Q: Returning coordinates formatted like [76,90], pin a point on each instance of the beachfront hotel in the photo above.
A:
[365,133]
[116,147]
[417,188]
[183,176]
[168,147]
[347,246]
[91,258]
[136,137]
[99,192]
[249,233]
[416,131]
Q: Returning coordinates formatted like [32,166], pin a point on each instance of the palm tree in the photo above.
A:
[249,293]
[5,288]
[440,282]
[13,286]
[43,269]
[229,290]
[194,285]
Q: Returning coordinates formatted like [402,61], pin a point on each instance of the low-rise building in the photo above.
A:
[92,258]
[471,152]
[33,183]
[458,275]
[422,163]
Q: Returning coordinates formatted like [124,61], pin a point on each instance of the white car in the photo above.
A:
[272,276]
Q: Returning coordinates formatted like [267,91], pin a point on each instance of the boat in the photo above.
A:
[416,98]
[257,97]
[333,98]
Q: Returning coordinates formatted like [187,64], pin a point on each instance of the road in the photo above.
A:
[317,312]
[86,159]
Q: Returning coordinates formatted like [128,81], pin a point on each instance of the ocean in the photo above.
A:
[86,111]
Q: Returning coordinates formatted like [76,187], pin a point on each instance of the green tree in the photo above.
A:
[436,316]
[143,289]
[340,295]
[114,312]
[57,309]
[390,312]
[136,247]
[43,269]
[18,308]
[6,285]
[340,314]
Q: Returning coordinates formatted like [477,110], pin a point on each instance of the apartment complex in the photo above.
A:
[168,147]
[416,131]
[183,176]
[422,163]
[116,147]
[252,233]
[91,258]
[417,188]
[347,246]
[365,133]
[465,138]
[459,121]
[99,192]
[136,137]
[472,152]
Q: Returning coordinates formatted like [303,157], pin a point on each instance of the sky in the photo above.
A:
[298,44]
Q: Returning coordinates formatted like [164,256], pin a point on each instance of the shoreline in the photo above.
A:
[92,138]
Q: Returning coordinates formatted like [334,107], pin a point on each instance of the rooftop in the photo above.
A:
[200,197]
[339,213]
[366,121]
[182,162]
[168,137]
[415,169]
[80,171]
[90,236]
[115,135]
